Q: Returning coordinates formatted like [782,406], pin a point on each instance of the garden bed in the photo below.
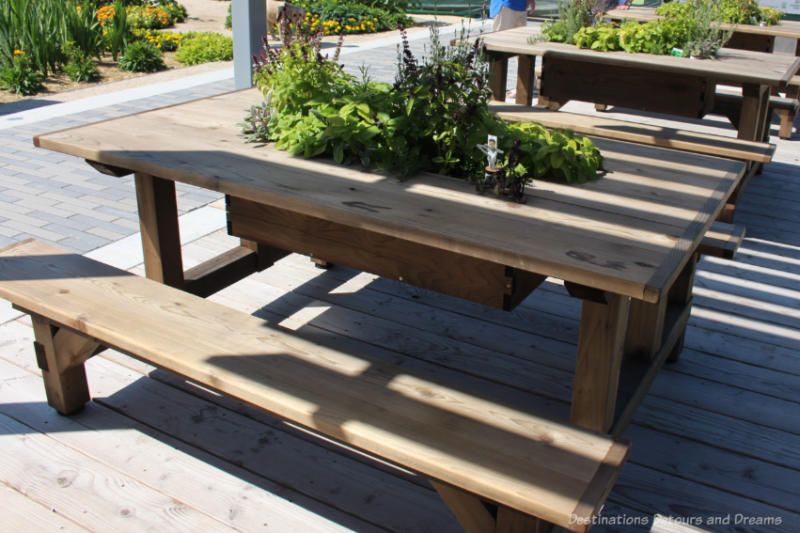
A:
[204,16]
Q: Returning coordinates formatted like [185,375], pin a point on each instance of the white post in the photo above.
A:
[249,20]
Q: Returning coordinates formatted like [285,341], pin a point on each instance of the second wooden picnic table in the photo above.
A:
[745,36]
[648,82]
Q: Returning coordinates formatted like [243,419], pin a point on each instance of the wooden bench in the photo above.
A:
[730,105]
[472,449]
[621,130]
[752,153]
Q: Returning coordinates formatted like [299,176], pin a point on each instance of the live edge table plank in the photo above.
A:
[630,235]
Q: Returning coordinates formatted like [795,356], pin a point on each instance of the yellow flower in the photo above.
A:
[18,53]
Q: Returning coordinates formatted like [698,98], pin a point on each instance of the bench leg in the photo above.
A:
[597,369]
[60,355]
[475,517]
[549,103]
[468,509]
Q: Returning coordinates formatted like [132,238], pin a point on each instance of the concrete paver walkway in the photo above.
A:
[61,199]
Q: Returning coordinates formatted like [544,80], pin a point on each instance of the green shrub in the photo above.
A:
[141,56]
[21,77]
[79,67]
[204,48]
[177,12]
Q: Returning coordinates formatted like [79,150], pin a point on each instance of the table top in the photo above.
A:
[785,28]
[732,66]
[629,233]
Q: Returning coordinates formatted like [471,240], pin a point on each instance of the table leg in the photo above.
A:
[158,220]
[498,73]
[645,328]
[525,79]
[680,295]
[754,118]
[597,368]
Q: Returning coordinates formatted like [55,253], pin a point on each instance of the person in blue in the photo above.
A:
[510,13]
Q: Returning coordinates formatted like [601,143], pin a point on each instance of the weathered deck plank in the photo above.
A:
[718,434]
[88,492]
[104,435]
[20,513]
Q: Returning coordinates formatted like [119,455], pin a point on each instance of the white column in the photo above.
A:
[249,18]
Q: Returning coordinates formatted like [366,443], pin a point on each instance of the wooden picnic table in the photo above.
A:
[625,244]
[745,37]
[657,83]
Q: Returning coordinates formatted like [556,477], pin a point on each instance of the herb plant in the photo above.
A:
[432,118]
[732,11]
[572,16]
[691,27]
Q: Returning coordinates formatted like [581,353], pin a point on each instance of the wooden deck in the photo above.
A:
[717,438]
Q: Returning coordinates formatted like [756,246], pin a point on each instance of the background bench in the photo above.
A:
[622,130]
[469,447]
[750,152]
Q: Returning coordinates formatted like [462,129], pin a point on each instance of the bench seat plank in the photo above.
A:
[599,126]
[540,467]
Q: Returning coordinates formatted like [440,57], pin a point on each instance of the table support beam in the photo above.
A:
[597,368]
